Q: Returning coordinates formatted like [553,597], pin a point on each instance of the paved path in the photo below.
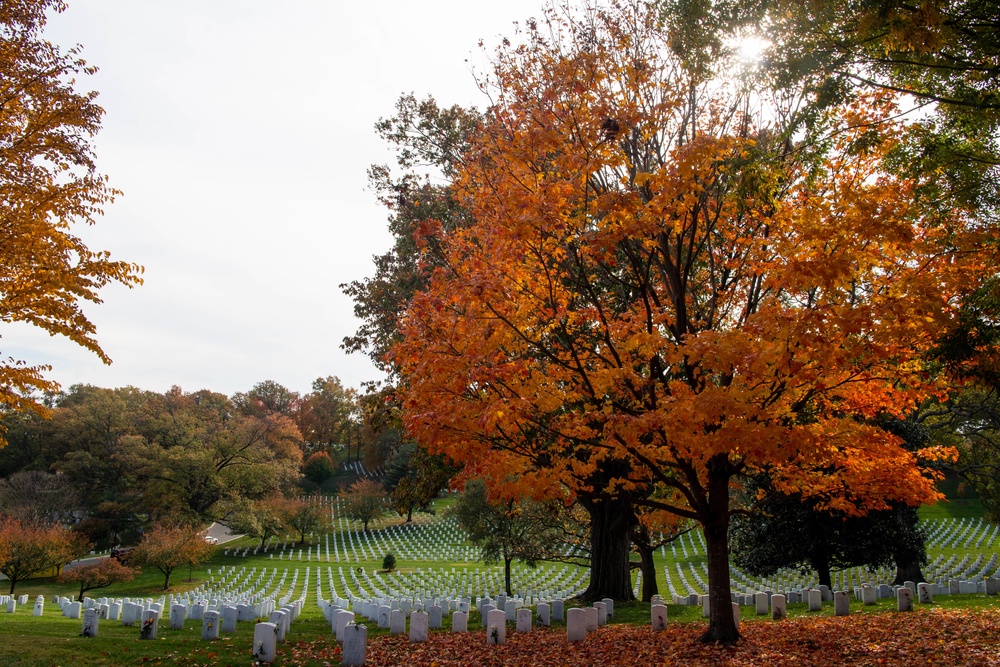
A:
[221,533]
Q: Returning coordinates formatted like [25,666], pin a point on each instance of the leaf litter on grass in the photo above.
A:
[952,638]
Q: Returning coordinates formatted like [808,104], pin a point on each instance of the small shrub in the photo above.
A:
[389,563]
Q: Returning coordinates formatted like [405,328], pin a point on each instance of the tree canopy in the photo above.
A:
[661,291]
[49,184]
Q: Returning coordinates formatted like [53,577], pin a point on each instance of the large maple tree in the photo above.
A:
[659,295]
[49,183]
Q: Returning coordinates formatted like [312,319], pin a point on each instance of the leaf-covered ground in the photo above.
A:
[923,638]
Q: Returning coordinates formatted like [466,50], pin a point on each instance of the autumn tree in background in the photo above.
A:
[260,519]
[505,530]
[126,456]
[267,398]
[49,182]
[365,501]
[319,467]
[197,459]
[414,478]
[662,293]
[329,413]
[100,574]
[36,496]
[28,549]
[302,516]
[168,547]
[654,529]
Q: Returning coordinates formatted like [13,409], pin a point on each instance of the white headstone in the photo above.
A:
[178,612]
[557,610]
[265,642]
[419,621]
[778,607]
[868,595]
[149,620]
[841,603]
[434,614]
[543,613]
[925,594]
[278,618]
[341,620]
[658,616]
[487,608]
[815,600]
[760,602]
[460,621]
[229,615]
[591,618]
[397,622]
[496,626]
[523,620]
[91,622]
[904,599]
[355,642]
[576,624]
[210,625]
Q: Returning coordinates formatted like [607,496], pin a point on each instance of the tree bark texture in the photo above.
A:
[610,527]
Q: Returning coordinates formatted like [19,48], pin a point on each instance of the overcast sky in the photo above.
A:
[240,132]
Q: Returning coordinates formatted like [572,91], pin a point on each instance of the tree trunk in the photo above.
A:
[908,572]
[721,625]
[12,583]
[409,514]
[648,569]
[166,581]
[506,574]
[610,526]
[821,564]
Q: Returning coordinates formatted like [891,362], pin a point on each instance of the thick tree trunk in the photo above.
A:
[409,514]
[721,624]
[821,564]
[908,572]
[648,569]
[506,575]
[610,527]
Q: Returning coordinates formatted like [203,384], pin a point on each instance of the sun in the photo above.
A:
[751,48]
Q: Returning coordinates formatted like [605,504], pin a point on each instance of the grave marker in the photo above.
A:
[210,625]
[576,624]
[778,607]
[658,617]
[265,642]
[496,626]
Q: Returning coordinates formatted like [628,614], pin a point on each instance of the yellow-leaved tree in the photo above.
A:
[49,183]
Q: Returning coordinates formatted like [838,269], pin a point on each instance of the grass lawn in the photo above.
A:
[952,630]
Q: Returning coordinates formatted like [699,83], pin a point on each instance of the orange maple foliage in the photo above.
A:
[48,183]
[656,297]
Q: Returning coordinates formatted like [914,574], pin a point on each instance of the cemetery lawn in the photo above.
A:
[955,630]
